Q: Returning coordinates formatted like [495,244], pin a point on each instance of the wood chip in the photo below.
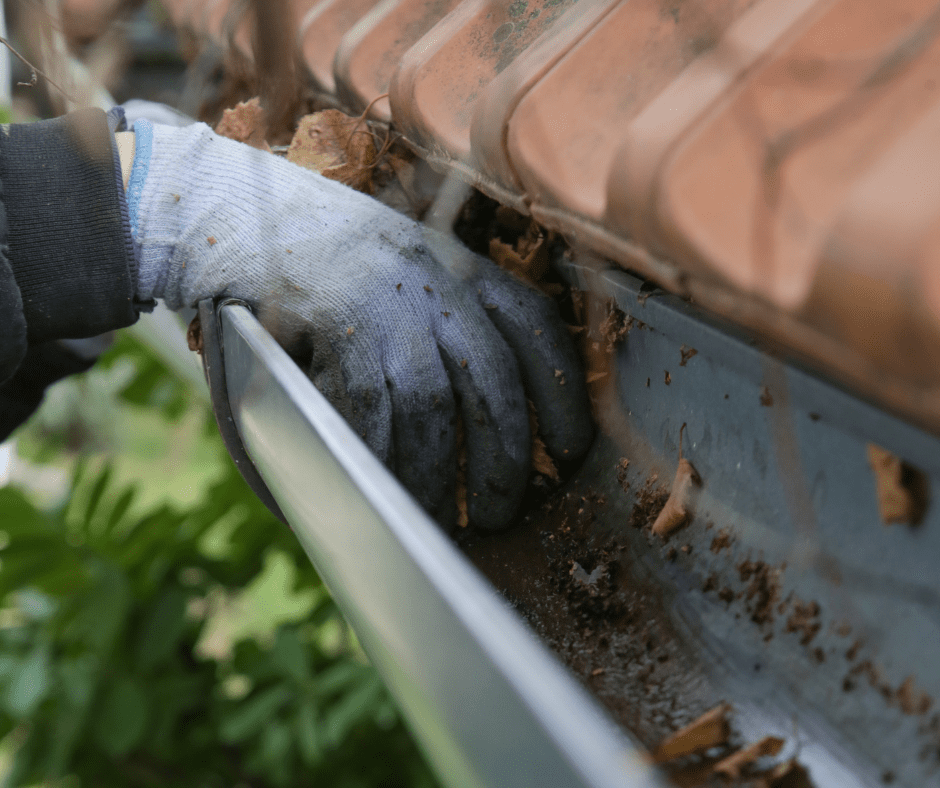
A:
[712,729]
[211,240]
[679,504]
[733,766]
[901,489]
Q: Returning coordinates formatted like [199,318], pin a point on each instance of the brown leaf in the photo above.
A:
[901,488]
[245,123]
[710,730]
[732,766]
[336,146]
[527,258]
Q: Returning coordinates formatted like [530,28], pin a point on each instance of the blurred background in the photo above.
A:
[157,625]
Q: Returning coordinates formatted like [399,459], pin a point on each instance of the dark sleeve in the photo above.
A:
[67,264]
[69,236]
[22,393]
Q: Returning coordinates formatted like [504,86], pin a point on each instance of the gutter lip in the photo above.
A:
[488,702]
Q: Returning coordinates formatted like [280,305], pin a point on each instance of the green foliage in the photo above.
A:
[115,668]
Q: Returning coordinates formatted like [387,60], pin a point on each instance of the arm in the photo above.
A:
[401,328]
[67,265]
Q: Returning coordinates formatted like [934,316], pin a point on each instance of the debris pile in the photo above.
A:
[701,752]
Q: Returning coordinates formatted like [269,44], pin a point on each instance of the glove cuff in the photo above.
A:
[147,275]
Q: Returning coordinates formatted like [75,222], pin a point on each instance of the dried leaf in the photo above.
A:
[710,730]
[336,146]
[541,461]
[527,258]
[245,123]
[732,766]
[615,326]
[902,489]
[678,506]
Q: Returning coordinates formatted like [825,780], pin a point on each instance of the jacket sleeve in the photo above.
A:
[67,260]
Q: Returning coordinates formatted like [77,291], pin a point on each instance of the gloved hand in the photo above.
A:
[398,326]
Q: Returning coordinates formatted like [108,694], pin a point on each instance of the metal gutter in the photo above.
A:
[489,704]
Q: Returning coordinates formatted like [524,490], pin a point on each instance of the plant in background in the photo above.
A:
[124,660]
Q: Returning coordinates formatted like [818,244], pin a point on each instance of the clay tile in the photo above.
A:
[179,11]
[877,287]
[212,18]
[564,135]
[498,101]
[754,189]
[370,52]
[86,20]
[441,79]
[322,29]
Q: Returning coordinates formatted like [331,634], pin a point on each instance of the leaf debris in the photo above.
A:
[678,506]
[733,766]
[711,729]
[336,146]
[901,488]
[245,122]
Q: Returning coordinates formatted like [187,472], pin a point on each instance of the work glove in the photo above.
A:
[400,327]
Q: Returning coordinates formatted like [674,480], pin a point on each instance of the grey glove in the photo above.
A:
[398,326]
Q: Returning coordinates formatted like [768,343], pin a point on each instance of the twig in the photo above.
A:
[34,71]
[362,117]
